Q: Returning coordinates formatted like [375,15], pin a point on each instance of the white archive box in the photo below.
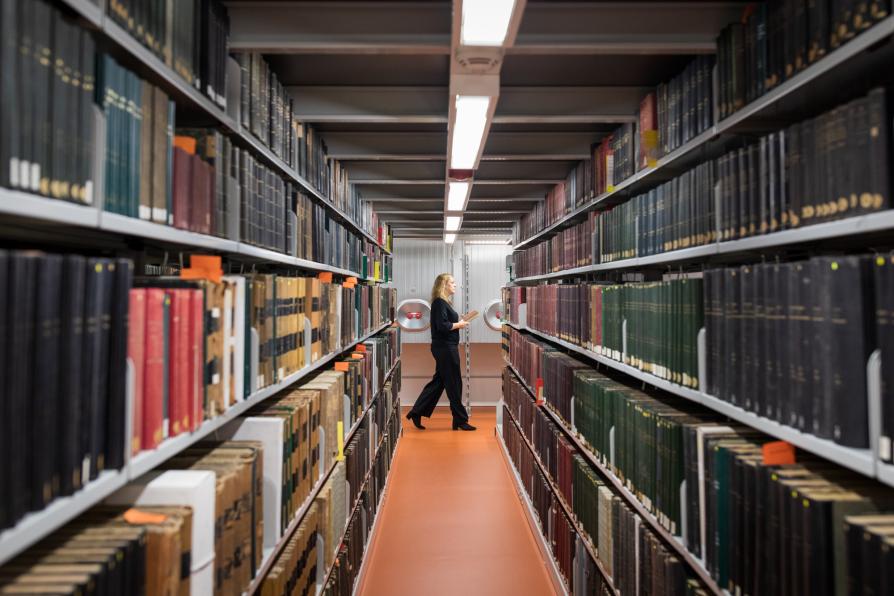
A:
[270,433]
[191,488]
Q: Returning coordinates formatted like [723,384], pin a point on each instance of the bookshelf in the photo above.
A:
[149,66]
[858,460]
[569,513]
[270,555]
[619,489]
[851,62]
[852,227]
[39,524]
[90,219]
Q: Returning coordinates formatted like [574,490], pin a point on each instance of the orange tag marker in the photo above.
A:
[360,348]
[357,356]
[778,453]
[351,280]
[325,277]
[342,366]
[137,517]
[538,391]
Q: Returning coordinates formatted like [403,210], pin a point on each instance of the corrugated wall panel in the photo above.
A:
[417,262]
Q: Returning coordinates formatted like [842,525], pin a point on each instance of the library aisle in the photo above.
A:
[451,522]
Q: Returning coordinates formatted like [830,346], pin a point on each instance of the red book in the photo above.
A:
[136,353]
[197,357]
[182,187]
[154,390]
[178,363]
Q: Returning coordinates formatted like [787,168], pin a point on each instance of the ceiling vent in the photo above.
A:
[479,60]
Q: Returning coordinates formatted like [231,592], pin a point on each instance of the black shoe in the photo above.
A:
[463,426]
[416,418]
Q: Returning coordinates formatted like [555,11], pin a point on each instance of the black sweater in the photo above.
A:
[442,319]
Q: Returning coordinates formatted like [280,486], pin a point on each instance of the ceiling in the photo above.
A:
[373,77]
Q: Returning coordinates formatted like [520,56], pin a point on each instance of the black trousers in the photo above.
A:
[447,376]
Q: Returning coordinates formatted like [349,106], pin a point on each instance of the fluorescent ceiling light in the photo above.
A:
[449,238]
[468,130]
[452,222]
[496,242]
[485,22]
[456,195]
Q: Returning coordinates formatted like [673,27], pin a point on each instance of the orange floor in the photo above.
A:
[452,522]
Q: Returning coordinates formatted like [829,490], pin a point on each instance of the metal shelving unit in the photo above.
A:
[150,64]
[38,524]
[669,539]
[569,513]
[271,555]
[858,460]
[50,211]
[792,92]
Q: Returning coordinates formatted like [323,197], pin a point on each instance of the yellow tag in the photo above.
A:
[879,261]
[341,440]
[834,266]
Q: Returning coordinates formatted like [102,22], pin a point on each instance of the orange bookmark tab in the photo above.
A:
[342,366]
[357,356]
[360,348]
[351,280]
[325,277]
[778,453]
[139,518]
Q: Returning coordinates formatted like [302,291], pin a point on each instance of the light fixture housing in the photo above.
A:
[468,130]
[449,238]
[485,22]
[457,196]
[452,223]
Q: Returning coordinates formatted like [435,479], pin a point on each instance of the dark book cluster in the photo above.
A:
[685,109]
[799,525]
[823,169]
[109,549]
[189,36]
[790,341]
[674,114]
[64,322]
[569,248]
[658,322]
[774,41]
[48,69]
[628,552]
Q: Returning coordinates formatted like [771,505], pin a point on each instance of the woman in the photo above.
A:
[445,326]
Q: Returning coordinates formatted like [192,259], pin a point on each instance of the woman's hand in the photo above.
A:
[461,324]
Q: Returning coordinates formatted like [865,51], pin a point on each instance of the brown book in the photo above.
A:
[146,128]
[159,172]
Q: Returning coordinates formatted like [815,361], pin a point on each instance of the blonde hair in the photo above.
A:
[439,289]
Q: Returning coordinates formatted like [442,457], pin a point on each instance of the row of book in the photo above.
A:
[201,522]
[822,169]
[189,36]
[73,322]
[629,553]
[343,535]
[776,527]
[267,110]
[774,41]
[790,341]
[147,167]
[63,322]
[49,80]
[653,325]
[673,114]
